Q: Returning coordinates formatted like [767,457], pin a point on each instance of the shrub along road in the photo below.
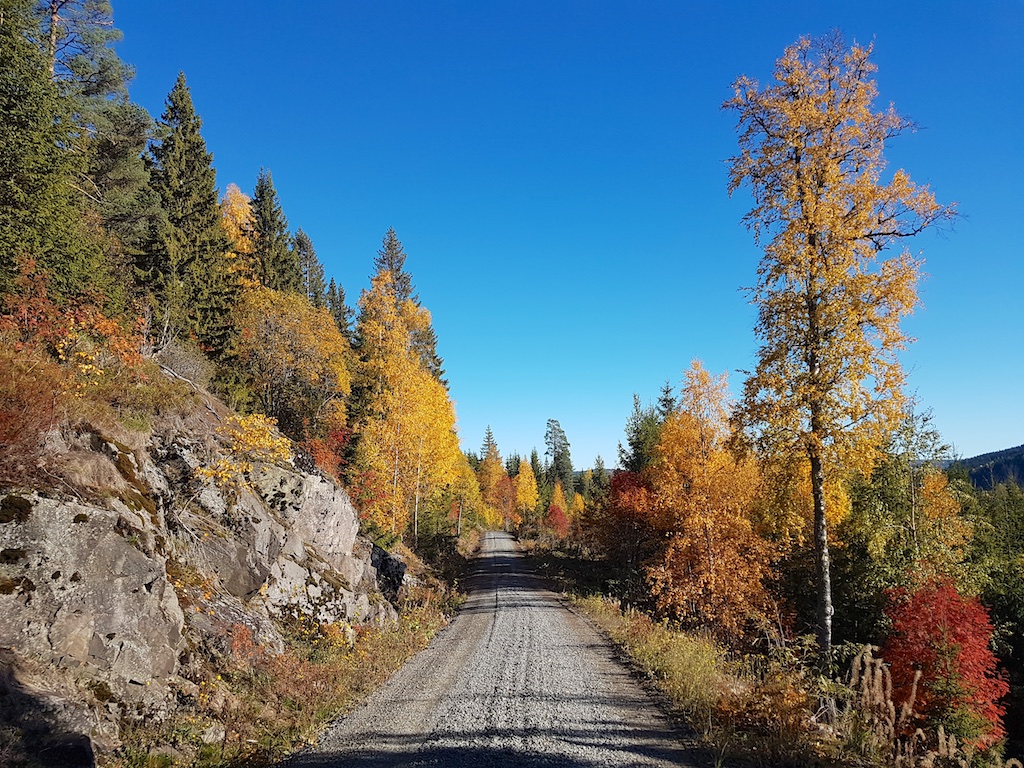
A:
[516,680]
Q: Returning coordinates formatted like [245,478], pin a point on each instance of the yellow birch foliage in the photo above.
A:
[408,450]
[577,507]
[527,495]
[711,572]
[828,382]
[294,357]
[558,499]
[491,472]
[236,215]
[942,535]
[250,441]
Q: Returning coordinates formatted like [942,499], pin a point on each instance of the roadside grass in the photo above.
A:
[772,709]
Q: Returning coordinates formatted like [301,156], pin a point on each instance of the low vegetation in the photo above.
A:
[254,708]
[772,708]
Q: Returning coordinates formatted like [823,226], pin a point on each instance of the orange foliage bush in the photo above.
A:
[31,386]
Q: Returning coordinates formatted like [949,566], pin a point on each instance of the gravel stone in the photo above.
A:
[516,680]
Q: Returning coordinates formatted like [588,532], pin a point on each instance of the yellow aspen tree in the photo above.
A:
[828,384]
[408,451]
[294,358]
[577,506]
[527,495]
[237,217]
[712,570]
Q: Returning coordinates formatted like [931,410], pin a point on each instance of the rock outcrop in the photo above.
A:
[144,566]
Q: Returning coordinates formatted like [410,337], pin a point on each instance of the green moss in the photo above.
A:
[101,691]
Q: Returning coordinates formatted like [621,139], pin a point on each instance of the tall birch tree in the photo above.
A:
[828,383]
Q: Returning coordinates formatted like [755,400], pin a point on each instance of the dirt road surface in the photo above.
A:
[516,680]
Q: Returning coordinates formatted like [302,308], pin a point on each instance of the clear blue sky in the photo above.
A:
[556,171]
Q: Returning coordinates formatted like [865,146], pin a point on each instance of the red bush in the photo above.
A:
[946,636]
[557,521]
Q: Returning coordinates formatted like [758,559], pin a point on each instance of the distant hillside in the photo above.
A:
[991,469]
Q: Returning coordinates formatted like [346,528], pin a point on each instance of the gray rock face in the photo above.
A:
[76,588]
[120,592]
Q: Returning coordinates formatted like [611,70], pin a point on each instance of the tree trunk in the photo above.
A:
[822,561]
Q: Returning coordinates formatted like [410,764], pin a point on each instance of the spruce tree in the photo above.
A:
[391,257]
[667,401]
[311,269]
[489,442]
[340,311]
[277,264]
[187,273]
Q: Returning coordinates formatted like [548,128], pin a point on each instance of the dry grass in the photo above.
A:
[255,707]
[689,670]
[768,708]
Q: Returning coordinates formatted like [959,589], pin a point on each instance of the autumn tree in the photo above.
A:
[491,472]
[827,386]
[407,450]
[526,490]
[294,359]
[944,637]
[557,519]
[236,212]
[712,570]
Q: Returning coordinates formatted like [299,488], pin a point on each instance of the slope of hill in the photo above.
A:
[990,469]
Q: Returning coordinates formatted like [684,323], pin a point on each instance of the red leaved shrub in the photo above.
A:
[946,636]
[557,521]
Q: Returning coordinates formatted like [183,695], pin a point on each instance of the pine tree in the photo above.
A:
[187,274]
[110,137]
[277,265]
[560,469]
[78,37]
[39,206]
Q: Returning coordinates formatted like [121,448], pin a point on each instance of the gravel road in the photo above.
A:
[516,680]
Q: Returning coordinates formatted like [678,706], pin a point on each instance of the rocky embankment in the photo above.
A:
[117,586]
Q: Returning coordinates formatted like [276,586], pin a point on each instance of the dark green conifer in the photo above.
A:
[339,310]
[311,269]
[111,133]
[391,257]
[561,462]
[188,271]
[39,204]
[277,264]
